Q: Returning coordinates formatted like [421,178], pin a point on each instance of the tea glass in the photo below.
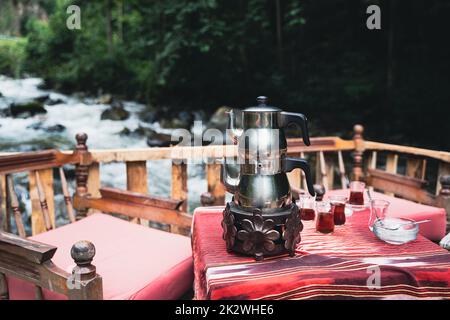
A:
[307,206]
[357,189]
[325,219]
[338,208]
[378,210]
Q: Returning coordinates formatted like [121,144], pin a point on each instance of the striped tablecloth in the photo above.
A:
[351,263]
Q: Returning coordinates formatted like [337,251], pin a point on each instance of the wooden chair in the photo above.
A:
[46,264]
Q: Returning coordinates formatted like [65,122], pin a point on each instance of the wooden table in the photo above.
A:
[351,263]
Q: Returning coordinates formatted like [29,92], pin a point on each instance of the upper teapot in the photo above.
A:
[263,116]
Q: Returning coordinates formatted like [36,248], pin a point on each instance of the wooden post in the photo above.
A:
[295,177]
[42,200]
[215,187]
[357,172]
[342,171]
[443,199]
[43,197]
[15,208]
[391,167]
[81,173]
[4,293]
[372,164]
[443,170]
[323,170]
[302,174]
[85,284]
[93,184]
[137,181]
[67,197]
[179,188]
[413,168]
[4,214]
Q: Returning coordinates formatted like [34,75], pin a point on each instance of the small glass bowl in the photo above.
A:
[387,231]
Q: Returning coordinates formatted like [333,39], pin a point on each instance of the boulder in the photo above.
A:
[52,102]
[219,120]
[104,99]
[154,139]
[182,120]
[42,98]
[116,112]
[26,109]
[57,128]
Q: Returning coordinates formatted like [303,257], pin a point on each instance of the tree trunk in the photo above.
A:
[17,16]
[390,71]
[279,34]
[109,26]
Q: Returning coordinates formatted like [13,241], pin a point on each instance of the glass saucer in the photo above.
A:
[396,230]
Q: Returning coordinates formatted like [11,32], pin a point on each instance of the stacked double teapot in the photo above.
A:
[262,220]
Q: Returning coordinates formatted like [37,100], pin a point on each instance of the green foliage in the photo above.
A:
[317,57]
[12,56]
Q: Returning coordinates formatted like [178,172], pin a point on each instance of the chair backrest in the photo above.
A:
[39,168]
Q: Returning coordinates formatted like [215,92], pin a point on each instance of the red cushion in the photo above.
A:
[401,208]
[134,261]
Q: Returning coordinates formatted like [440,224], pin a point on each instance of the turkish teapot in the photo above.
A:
[257,176]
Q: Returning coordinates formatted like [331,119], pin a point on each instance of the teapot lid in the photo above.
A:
[262,106]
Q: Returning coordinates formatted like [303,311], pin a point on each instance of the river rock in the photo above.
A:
[159,140]
[116,112]
[26,109]
[154,139]
[52,102]
[219,120]
[182,120]
[105,99]
[42,98]
[57,128]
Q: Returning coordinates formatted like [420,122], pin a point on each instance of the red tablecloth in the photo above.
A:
[433,230]
[336,266]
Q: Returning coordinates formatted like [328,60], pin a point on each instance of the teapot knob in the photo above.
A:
[261,100]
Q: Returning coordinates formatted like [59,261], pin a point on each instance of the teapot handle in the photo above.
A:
[288,118]
[290,164]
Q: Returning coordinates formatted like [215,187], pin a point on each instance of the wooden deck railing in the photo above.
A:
[336,161]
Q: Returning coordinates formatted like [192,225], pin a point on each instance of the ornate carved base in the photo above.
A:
[260,233]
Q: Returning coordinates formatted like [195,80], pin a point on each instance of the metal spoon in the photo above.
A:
[406,223]
[370,199]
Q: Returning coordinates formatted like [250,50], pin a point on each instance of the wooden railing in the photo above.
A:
[336,161]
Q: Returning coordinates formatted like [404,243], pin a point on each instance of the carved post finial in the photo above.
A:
[84,283]
[81,141]
[443,198]
[357,172]
[445,185]
[207,199]
[82,253]
[320,191]
[358,130]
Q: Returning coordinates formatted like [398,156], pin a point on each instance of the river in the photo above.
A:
[82,114]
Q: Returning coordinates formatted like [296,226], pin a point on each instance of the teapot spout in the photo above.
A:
[233,132]
[230,176]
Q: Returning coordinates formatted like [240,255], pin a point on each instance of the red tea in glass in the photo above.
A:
[357,193]
[307,214]
[338,208]
[338,213]
[307,205]
[325,219]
